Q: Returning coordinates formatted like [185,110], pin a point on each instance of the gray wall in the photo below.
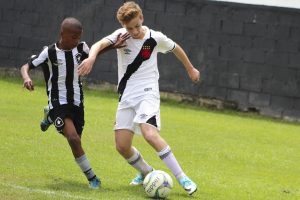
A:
[249,55]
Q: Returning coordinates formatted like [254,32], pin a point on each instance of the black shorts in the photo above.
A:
[60,113]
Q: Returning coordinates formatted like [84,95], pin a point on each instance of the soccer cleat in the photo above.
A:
[95,183]
[45,122]
[138,180]
[188,185]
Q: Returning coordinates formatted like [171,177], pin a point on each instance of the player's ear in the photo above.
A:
[142,18]
[61,33]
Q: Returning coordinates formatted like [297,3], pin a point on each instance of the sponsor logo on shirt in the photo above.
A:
[60,62]
[147,89]
[143,116]
[127,51]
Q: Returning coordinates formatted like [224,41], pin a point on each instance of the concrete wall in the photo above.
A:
[248,55]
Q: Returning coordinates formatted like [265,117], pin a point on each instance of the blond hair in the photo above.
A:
[128,11]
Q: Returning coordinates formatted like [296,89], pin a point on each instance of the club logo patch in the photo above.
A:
[146,52]
[58,122]
[78,58]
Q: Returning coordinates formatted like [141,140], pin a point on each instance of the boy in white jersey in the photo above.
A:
[64,88]
[139,100]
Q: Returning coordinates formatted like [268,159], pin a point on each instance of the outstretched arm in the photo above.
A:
[193,73]
[27,82]
[98,48]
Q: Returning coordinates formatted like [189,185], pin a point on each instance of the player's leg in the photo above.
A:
[74,141]
[46,121]
[124,146]
[73,138]
[123,140]
[163,150]
[62,119]
[150,126]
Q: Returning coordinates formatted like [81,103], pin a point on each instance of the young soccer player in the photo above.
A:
[60,62]
[138,88]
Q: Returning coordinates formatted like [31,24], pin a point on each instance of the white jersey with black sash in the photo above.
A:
[60,71]
[137,63]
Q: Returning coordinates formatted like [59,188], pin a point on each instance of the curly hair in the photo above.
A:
[128,11]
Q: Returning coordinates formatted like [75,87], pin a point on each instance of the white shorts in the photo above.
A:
[141,110]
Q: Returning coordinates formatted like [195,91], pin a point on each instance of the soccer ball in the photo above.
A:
[158,184]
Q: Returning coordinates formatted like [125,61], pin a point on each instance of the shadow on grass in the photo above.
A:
[66,185]
[72,186]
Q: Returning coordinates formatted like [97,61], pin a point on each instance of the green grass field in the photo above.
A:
[230,155]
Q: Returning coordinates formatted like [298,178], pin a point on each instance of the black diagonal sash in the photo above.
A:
[144,54]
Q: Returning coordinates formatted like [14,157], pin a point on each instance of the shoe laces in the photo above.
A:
[139,178]
[94,181]
[185,182]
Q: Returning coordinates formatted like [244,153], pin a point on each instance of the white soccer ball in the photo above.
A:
[158,184]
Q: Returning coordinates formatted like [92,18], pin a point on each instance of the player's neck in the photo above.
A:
[142,35]
[63,47]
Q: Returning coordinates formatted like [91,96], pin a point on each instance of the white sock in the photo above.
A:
[169,159]
[137,161]
[84,165]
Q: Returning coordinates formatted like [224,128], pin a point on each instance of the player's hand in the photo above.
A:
[120,43]
[28,84]
[194,75]
[85,67]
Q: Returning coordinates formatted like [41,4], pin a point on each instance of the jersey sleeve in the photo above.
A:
[38,60]
[114,36]
[85,51]
[164,44]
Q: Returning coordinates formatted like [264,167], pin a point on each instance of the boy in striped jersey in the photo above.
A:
[138,89]
[60,63]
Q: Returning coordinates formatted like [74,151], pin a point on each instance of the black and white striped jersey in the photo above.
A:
[60,71]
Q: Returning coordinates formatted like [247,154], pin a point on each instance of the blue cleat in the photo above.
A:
[138,180]
[95,183]
[188,185]
[45,123]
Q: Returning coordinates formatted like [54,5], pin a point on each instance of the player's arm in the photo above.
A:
[193,73]
[27,82]
[86,66]
[120,43]
[98,48]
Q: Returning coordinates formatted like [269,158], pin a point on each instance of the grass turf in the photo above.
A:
[230,155]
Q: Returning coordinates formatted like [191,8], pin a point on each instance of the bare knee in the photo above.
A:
[151,137]
[74,141]
[122,148]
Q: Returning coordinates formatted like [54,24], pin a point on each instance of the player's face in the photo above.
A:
[70,38]
[134,27]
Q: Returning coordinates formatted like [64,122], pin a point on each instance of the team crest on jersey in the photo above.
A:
[146,52]
[78,58]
